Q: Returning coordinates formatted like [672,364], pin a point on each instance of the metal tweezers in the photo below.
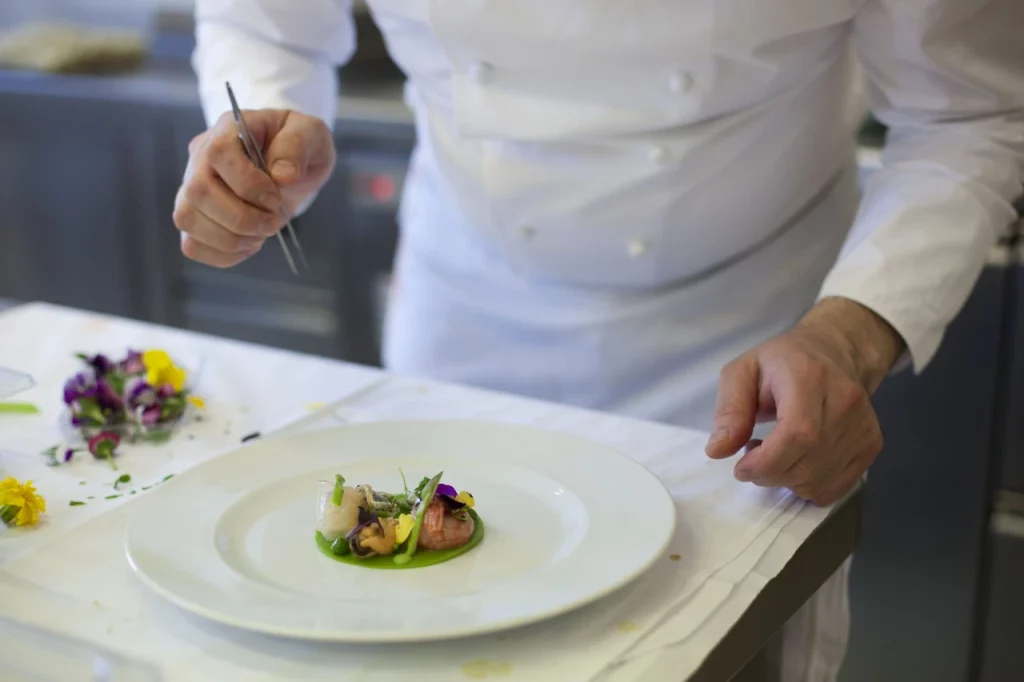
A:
[252,150]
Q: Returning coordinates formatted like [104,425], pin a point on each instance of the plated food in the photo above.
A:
[428,525]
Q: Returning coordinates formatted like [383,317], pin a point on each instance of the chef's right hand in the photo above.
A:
[227,207]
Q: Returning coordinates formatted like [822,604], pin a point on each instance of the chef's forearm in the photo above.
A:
[275,55]
[953,163]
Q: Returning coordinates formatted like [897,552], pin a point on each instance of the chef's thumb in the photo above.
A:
[739,388]
[293,147]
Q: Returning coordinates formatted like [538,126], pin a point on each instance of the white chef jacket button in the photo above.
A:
[636,248]
[657,154]
[680,81]
[480,71]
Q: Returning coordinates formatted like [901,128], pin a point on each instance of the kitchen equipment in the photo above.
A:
[233,539]
[252,150]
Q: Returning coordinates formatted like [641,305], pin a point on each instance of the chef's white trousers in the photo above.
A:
[468,316]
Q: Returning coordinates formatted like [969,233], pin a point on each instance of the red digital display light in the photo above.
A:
[382,187]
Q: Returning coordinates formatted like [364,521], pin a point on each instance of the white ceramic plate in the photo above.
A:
[567,521]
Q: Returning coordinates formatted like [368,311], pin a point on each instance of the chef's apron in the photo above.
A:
[462,311]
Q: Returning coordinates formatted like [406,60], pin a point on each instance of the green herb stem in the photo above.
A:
[426,498]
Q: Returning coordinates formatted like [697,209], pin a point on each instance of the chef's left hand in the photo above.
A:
[816,380]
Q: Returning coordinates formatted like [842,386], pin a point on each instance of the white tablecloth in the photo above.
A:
[70,575]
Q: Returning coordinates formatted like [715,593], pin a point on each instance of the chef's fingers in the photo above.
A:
[780,458]
[301,141]
[207,231]
[225,154]
[736,409]
[838,486]
[207,193]
[197,251]
[854,451]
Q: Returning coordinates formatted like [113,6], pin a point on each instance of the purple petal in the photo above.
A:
[151,415]
[140,393]
[165,391]
[101,364]
[107,397]
[132,364]
[68,454]
[78,386]
[446,490]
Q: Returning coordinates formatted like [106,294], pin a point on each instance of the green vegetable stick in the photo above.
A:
[425,499]
[18,408]
[339,491]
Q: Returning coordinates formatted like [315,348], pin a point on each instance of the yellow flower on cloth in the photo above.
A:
[161,370]
[20,505]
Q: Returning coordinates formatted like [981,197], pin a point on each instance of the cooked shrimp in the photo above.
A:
[336,520]
[441,530]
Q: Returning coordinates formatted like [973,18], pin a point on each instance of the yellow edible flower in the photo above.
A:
[156,359]
[466,499]
[197,401]
[405,525]
[23,497]
[161,370]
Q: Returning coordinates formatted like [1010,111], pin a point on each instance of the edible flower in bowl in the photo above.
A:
[139,397]
[20,504]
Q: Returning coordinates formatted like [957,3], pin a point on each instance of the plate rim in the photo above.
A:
[391,637]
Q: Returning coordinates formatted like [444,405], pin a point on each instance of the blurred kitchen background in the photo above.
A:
[94,129]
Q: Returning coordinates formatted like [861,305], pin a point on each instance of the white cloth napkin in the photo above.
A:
[79,583]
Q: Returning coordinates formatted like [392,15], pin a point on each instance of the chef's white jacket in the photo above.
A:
[634,144]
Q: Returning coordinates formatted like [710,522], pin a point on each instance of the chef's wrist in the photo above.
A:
[870,344]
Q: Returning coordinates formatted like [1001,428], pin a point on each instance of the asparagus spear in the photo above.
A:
[425,499]
[339,491]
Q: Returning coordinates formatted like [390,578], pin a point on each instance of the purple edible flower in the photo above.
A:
[165,391]
[100,363]
[151,415]
[140,393]
[106,397]
[77,387]
[68,454]
[132,364]
[446,490]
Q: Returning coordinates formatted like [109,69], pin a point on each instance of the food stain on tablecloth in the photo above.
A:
[482,669]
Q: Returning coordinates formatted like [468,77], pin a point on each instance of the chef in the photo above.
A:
[652,207]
